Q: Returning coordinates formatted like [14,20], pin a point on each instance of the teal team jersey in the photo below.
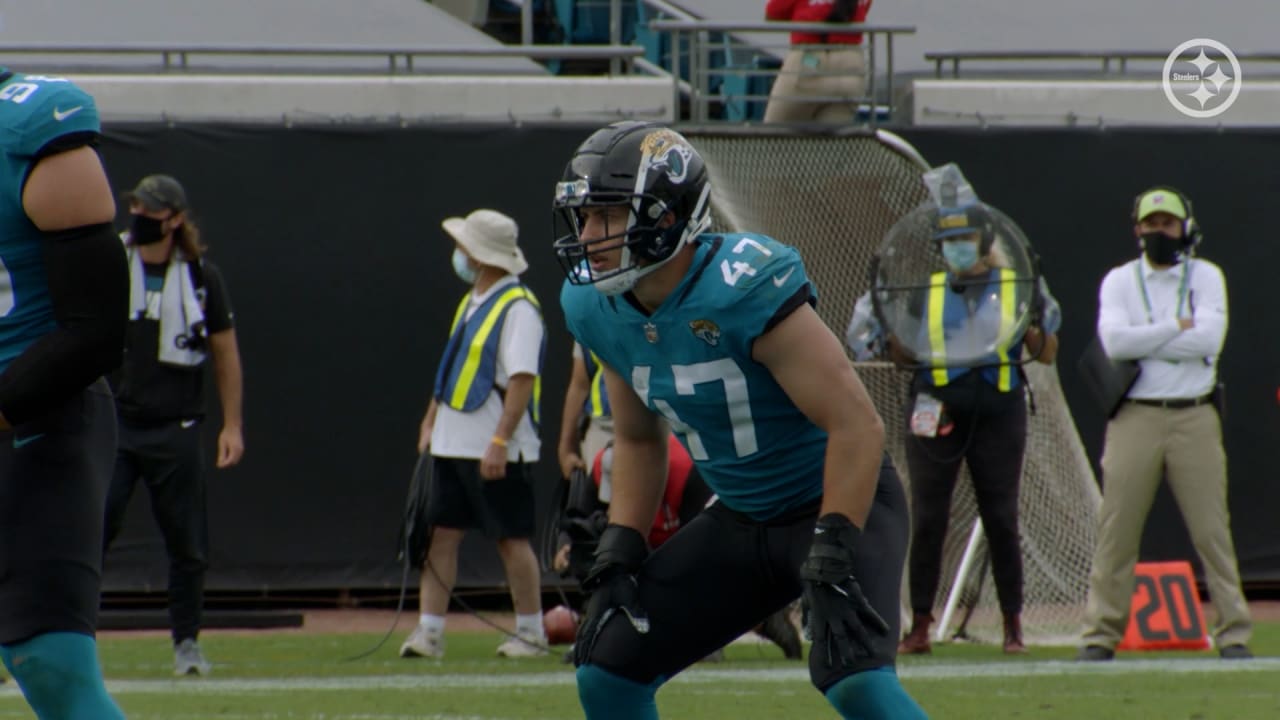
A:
[34,110]
[691,362]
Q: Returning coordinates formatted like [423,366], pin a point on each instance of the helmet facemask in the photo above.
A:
[645,243]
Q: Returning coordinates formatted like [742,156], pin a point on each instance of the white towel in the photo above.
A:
[181,315]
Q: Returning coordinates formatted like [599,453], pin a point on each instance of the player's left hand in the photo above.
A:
[839,613]
[230,446]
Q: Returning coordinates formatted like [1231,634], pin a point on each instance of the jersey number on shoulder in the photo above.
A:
[734,271]
[18,92]
[687,379]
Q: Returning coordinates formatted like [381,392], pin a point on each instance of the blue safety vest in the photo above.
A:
[468,369]
[597,403]
[947,310]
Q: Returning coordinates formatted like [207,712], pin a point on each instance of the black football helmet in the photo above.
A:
[651,170]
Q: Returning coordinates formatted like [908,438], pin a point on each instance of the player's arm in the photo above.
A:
[807,361]
[574,398]
[67,196]
[639,457]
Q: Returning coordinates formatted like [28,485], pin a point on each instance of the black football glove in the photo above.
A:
[612,586]
[839,613]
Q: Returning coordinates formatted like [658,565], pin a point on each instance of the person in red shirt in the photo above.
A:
[829,67]
[685,496]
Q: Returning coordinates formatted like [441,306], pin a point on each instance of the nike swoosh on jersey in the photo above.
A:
[61,115]
[23,442]
[780,280]
[185,424]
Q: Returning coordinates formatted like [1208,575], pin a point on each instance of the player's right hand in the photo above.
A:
[613,587]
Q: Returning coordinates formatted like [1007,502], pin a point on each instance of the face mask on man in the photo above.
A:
[960,254]
[1162,249]
[146,230]
[462,267]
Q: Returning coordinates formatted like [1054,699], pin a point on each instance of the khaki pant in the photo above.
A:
[837,73]
[1186,444]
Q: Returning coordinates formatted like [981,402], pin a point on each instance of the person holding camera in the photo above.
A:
[971,412]
[1167,311]
[179,316]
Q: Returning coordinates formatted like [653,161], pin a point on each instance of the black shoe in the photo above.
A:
[1095,653]
[778,629]
[1239,651]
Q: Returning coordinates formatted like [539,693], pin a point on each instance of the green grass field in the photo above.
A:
[279,675]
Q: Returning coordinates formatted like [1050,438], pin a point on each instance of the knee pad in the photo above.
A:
[605,696]
[60,677]
[873,695]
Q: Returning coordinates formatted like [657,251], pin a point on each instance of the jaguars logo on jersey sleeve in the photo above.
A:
[34,111]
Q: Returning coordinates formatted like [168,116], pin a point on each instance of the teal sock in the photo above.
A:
[873,695]
[606,696]
[60,677]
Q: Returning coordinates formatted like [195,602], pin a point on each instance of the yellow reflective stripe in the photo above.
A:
[1008,302]
[597,388]
[467,375]
[937,334]
[535,412]
[457,315]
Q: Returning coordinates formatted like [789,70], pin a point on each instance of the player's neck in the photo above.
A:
[653,289]
[156,253]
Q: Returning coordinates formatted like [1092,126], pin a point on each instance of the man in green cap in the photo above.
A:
[1166,310]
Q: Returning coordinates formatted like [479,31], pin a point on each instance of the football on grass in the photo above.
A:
[561,624]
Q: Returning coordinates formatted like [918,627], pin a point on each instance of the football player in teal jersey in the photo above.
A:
[64,292]
[714,337]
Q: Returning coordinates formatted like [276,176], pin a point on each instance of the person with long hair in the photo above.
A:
[179,317]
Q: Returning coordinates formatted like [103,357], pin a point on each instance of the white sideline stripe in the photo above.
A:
[940,671]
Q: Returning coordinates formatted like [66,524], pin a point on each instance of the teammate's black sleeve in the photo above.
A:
[89,286]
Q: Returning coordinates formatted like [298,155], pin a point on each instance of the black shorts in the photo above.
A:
[724,573]
[54,473]
[460,498]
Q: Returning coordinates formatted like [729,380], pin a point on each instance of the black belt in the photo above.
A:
[1174,403]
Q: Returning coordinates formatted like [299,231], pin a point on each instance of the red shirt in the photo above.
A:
[679,464]
[815,11]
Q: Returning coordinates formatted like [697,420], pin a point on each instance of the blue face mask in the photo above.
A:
[462,267]
[960,254]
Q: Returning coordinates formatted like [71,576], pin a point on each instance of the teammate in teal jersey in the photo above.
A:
[715,337]
[64,292]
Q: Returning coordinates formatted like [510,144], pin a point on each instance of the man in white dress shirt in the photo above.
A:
[1167,310]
